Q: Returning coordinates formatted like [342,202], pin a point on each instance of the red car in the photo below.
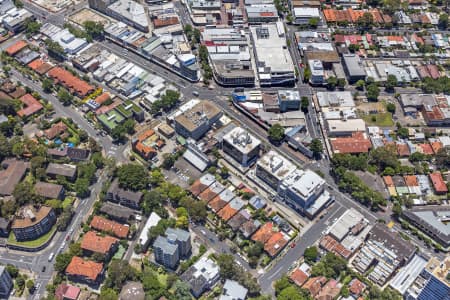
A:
[293,245]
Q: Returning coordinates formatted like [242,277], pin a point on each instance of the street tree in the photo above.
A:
[443,21]
[391,83]
[373,91]
[133,177]
[304,104]
[316,147]
[276,133]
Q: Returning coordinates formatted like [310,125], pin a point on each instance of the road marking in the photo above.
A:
[275,273]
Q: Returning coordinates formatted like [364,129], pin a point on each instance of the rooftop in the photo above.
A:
[61,169]
[48,190]
[131,10]
[406,276]
[275,164]
[29,216]
[335,99]
[304,182]
[198,114]
[95,242]
[85,268]
[105,225]
[242,140]
[12,173]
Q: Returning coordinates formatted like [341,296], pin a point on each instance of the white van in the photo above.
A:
[50,257]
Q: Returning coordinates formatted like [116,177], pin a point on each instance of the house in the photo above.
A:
[94,242]
[32,222]
[68,171]
[32,106]
[74,154]
[13,171]
[231,209]
[85,271]
[300,275]
[16,47]
[232,290]
[356,287]
[49,190]
[330,290]
[438,183]
[201,276]
[145,144]
[276,243]
[67,292]
[249,227]
[55,130]
[202,184]
[101,224]
[117,212]
[75,85]
[314,285]
[122,196]
[240,218]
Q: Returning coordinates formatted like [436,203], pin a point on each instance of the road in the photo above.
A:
[36,261]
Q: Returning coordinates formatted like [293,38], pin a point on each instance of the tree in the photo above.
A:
[32,27]
[47,85]
[196,209]
[64,96]
[403,132]
[108,294]
[119,272]
[331,82]
[311,254]
[118,133]
[360,84]
[24,193]
[255,250]
[151,200]
[94,29]
[366,21]
[12,270]
[62,261]
[292,293]
[30,285]
[373,91]
[182,290]
[443,21]
[81,187]
[391,6]
[281,284]
[226,265]
[276,133]
[133,177]
[304,104]
[151,284]
[313,22]
[341,83]
[390,107]
[391,83]
[316,147]
[353,48]
[168,161]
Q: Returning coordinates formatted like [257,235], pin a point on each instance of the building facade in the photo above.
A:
[241,146]
[166,251]
[32,222]
[6,283]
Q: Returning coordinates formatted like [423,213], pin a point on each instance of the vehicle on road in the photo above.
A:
[293,245]
[50,257]
[44,268]
[195,93]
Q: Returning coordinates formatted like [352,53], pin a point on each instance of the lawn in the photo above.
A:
[34,243]
[380,119]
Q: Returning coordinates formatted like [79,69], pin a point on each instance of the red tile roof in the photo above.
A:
[84,268]
[32,106]
[56,129]
[403,150]
[145,150]
[67,292]
[426,149]
[94,242]
[275,244]
[357,143]
[436,146]
[197,187]
[314,285]
[388,181]
[356,287]
[39,66]
[264,233]
[227,212]
[105,225]
[330,244]
[411,180]
[438,182]
[73,83]
[299,277]
[16,47]
[102,98]
[217,204]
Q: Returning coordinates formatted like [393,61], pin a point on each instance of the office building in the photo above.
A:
[303,15]
[353,68]
[6,283]
[197,119]
[273,60]
[273,168]
[288,100]
[241,146]
[257,14]
[31,222]
[317,72]
[305,191]
[166,251]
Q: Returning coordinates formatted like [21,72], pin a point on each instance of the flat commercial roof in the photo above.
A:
[242,140]
[277,165]
[406,276]
[345,222]
[130,10]
[353,64]
[271,49]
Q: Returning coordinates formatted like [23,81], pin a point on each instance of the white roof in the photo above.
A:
[407,275]
[308,12]
[349,126]
[242,140]
[151,222]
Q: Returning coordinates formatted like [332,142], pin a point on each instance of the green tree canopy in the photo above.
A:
[133,177]
[276,133]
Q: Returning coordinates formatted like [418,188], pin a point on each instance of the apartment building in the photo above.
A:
[31,222]
[241,146]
